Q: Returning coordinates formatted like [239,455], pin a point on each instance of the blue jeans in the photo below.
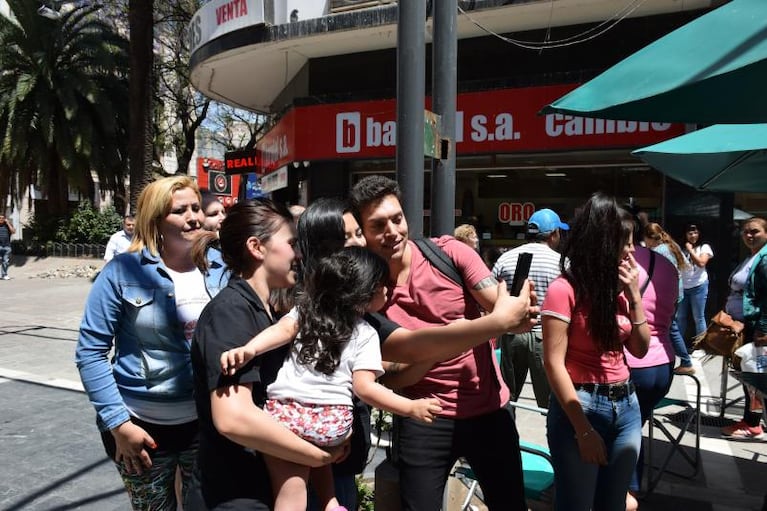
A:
[5,254]
[694,302]
[583,486]
[677,342]
[652,385]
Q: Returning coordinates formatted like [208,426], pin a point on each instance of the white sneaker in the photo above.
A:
[6,277]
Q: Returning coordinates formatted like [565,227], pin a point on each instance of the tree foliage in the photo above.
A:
[235,128]
[63,103]
[89,225]
[184,108]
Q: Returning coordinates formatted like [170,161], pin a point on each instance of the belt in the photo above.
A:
[612,391]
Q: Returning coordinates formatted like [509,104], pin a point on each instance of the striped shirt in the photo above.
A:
[544,268]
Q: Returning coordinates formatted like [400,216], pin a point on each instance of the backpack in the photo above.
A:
[439,259]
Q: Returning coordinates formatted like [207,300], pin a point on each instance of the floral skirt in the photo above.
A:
[323,425]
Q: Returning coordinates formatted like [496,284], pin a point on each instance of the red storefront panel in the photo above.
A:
[497,121]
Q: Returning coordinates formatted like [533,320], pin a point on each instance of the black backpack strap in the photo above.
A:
[439,259]
[649,273]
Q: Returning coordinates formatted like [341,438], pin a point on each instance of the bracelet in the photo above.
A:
[639,323]
[585,433]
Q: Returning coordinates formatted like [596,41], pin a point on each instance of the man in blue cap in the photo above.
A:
[521,353]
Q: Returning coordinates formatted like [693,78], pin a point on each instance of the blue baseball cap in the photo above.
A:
[545,221]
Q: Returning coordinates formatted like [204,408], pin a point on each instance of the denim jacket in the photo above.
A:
[132,306]
[755,296]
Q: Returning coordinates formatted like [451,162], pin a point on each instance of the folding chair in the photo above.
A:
[690,422]
[537,472]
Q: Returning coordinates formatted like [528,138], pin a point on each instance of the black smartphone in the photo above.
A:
[520,273]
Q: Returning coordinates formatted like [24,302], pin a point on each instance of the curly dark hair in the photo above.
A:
[596,239]
[335,296]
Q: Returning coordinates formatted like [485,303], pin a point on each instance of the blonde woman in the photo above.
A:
[467,234]
[145,305]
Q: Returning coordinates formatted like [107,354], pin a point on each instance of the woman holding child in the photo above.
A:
[257,240]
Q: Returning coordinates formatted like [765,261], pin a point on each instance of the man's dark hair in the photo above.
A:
[539,237]
[371,190]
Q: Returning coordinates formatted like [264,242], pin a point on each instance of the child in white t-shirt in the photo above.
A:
[336,353]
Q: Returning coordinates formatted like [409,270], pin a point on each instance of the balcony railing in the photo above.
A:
[353,5]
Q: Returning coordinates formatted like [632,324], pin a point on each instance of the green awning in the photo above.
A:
[711,70]
[724,157]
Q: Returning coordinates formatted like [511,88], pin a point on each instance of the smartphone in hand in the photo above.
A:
[520,273]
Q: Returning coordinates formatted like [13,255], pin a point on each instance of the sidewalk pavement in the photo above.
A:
[52,458]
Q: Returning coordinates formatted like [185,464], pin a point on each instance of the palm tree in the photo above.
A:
[63,104]
[141,148]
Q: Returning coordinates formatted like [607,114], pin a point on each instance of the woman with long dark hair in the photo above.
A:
[697,254]
[256,240]
[590,314]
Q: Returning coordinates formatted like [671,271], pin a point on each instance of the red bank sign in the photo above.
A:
[504,120]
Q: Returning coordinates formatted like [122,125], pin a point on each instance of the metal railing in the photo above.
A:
[353,5]
[76,250]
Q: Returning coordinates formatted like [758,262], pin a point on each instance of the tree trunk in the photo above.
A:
[190,139]
[57,189]
[140,20]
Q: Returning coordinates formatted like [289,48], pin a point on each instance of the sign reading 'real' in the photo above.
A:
[241,162]
[220,17]
[494,121]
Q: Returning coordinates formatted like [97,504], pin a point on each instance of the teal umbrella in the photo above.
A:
[724,157]
[711,70]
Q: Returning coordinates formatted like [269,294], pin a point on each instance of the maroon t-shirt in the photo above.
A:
[467,385]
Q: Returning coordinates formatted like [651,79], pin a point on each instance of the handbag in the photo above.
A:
[722,337]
